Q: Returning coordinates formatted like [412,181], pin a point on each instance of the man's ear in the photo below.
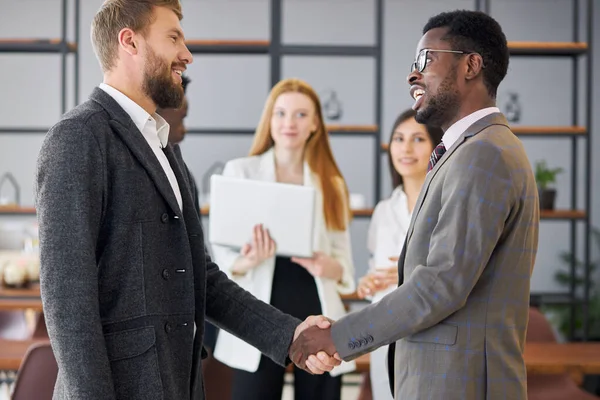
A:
[127,41]
[474,66]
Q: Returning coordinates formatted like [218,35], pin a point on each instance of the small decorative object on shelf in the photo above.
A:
[18,270]
[544,177]
[512,108]
[332,106]
[9,179]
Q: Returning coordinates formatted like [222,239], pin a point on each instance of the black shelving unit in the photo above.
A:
[573,50]
[61,46]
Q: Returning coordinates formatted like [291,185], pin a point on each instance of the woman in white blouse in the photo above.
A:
[291,145]
[410,146]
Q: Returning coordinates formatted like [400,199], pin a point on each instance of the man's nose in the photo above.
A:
[186,56]
[413,76]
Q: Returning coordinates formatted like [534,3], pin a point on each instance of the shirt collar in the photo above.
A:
[138,115]
[459,127]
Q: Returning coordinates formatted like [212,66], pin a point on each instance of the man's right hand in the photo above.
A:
[253,254]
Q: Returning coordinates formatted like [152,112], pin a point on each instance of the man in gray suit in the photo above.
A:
[459,317]
[125,278]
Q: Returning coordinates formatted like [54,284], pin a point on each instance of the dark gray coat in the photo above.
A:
[124,273]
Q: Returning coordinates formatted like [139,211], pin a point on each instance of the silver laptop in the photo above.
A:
[237,205]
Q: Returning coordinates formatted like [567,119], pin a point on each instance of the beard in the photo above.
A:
[443,106]
[158,83]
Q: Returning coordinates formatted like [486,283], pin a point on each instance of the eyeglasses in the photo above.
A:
[421,61]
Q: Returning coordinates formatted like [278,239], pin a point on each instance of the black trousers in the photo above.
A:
[294,292]
[267,384]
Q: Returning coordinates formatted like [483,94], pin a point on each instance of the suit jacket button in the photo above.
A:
[363,342]
[166,274]
[168,327]
[351,345]
[370,339]
[164,218]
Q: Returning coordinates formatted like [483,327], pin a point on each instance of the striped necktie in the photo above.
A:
[438,152]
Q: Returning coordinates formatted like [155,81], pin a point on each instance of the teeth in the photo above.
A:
[418,93]
[177,72]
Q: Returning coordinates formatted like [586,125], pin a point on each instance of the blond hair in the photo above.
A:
[115,15]
[317,153]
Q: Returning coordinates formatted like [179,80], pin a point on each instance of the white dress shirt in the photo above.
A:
[387,231]
[155,130]
[459,127]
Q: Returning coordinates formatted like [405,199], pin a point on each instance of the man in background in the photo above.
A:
[175,116]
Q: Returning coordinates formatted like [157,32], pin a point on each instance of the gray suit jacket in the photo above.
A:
[124,273]
[459,318]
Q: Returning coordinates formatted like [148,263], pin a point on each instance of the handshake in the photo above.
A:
[313,349]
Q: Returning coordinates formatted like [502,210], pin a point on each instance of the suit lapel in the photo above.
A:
[267,165]
[475,128]
[190,213]
[134,140]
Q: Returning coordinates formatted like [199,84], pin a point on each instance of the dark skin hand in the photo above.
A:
[311,341]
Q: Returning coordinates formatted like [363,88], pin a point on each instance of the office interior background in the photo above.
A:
[356,54]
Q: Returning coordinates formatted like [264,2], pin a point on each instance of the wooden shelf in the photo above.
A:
[228,46]
[16,210]
[562,214]
[337,129]
[545,214]
[538,131]
[363,212]
[36,46]
[547,48]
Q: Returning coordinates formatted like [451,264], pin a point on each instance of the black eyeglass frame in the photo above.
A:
[416,65]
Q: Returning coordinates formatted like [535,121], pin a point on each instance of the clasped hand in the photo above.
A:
[313,349]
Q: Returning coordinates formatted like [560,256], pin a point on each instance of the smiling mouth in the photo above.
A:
[407,160]
[178,73]
[418,95]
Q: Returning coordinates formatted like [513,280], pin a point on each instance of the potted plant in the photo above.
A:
[544,177]
[561,313]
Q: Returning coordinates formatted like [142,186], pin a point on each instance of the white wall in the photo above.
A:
[229,90]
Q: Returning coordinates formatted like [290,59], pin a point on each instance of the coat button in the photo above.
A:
[370,339]
[164,218]
[363,342]
[166,274]
[168,327]
[351,345]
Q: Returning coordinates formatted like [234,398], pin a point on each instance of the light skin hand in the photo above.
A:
[378,280]
[253,254]
[321,362]
[321,265]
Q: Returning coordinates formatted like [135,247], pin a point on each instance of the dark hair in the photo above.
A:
[435,134]
[184,82]
[477,32]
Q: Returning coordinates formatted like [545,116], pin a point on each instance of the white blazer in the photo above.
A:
[233,351]
[387,231]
